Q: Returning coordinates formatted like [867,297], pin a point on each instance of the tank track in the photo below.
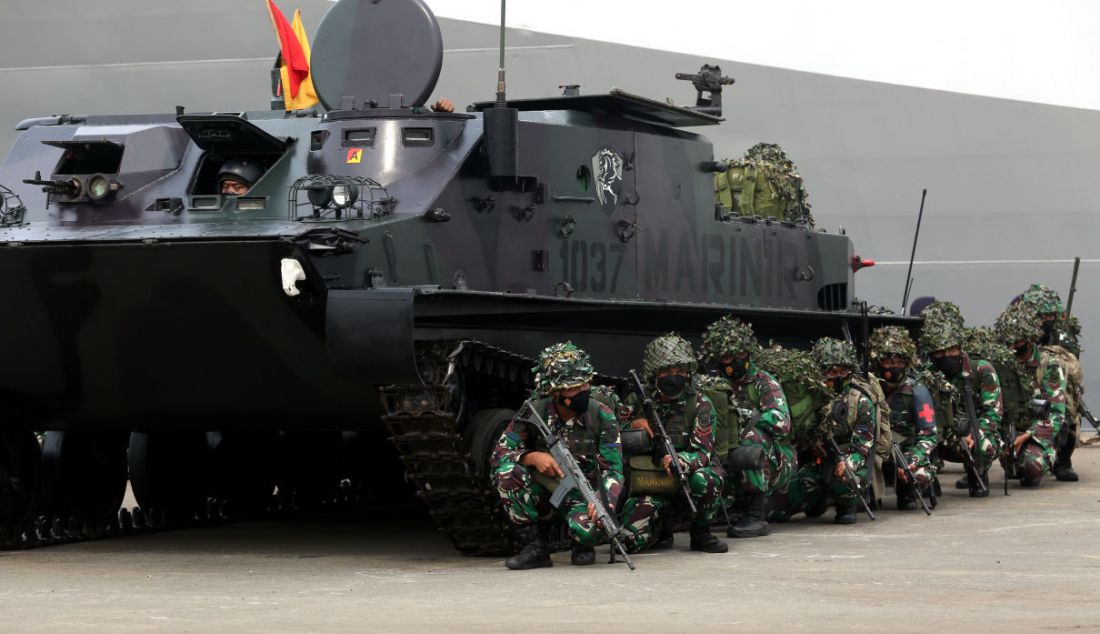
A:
[424,427]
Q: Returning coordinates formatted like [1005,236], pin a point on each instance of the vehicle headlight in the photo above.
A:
[320,196]
[344,195]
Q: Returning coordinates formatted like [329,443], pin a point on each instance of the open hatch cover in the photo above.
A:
[229,133]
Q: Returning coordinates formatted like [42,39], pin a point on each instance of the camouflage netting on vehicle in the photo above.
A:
[803,384]
[727,337]
[668,351]
[764,183]
[1043,299]
[893,341]
[829,352]
[562,366]
[982,343]
[944,327]
[1019,321]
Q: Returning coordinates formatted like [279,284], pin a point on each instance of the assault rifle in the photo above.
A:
[903,464]
[974,432]
[666,443]
[850,477]
[1087,413]
[1008,460]
[575,479]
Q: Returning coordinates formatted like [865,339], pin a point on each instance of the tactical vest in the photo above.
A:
[901,409]
[580,439]
[680,425]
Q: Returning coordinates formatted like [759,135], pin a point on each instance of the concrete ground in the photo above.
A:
[1027,562]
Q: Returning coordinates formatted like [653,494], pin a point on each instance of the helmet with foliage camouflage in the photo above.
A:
[727,337]
[944,327]
[830,352]
[562,366]
[1019,321]
[892,341]
[982,343]
[668,351]
[1043,299]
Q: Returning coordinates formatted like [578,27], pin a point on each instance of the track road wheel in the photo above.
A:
[481,437]
[84,477]
[310,469]
[20,462]
[168,474]
[243,471]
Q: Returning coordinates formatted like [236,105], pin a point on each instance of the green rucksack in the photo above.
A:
[803,386]
[763,183]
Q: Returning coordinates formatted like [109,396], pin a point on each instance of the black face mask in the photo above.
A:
[735,370]
[950,366]
[891,375]
[1048,328]
[672,385]
[1023,352]
[839,384]
[578,403]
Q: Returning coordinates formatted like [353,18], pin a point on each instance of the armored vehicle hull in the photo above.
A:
[392,269]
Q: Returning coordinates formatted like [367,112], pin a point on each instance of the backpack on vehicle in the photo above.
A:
[1075,378]
[763,183]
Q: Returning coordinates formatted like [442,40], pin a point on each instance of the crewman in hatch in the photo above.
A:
[237,175]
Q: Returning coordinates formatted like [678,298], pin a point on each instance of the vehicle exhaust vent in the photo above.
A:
[833,296]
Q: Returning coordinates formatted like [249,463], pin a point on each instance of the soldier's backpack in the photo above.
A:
[1075,377]
[799,376]
[884,438]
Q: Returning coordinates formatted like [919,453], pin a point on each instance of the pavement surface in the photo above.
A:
[1027,562]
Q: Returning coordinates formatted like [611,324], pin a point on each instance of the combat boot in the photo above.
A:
[753,522]
[1063,465]
[975,490]
[665,538]
[845,514]
[906,500]
[963,483]
[582,555]
[534,553]
[703,541]
[1029,483]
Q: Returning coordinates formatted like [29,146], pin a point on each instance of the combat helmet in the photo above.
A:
[892,341]
[244,170]
[831,352]
[1019,321]
[944,327]
[1043,299]
[668,351]
[727,337]
[562,366]
[770,153]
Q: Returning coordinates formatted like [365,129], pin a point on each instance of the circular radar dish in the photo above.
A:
[371,49]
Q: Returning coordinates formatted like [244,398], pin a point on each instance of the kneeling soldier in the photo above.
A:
[525,473]
[689,418]
[912,410]
[729,344]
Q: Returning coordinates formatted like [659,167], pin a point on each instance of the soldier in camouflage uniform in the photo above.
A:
[1034,449]
[729,345]
[688,416]
[1059,331]
[941,339]
[912,410]
[852,424]
[525,473]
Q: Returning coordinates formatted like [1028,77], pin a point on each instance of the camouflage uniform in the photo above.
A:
[944,329]
[814,485]
[756,391]
[1059,331]
[912,410]
[591,436]
[690,420]
[1043,379]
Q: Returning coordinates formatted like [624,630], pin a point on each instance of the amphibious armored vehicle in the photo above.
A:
[390,275]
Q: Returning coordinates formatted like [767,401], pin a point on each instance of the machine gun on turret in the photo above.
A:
[708,80]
